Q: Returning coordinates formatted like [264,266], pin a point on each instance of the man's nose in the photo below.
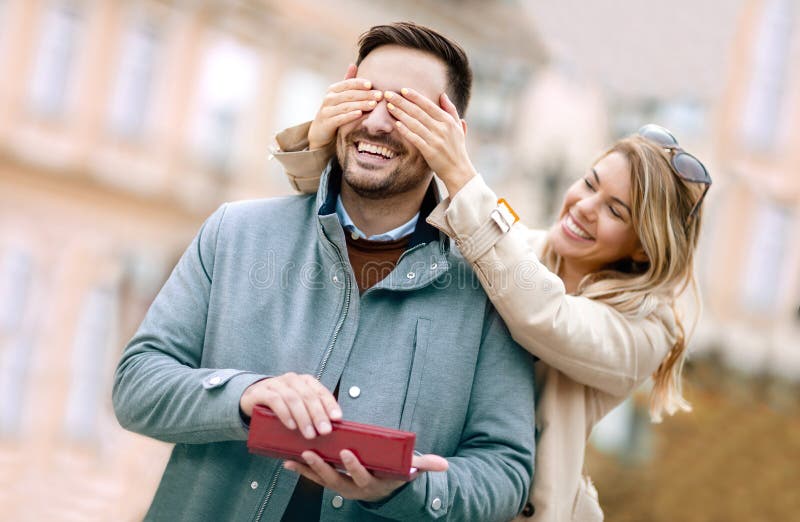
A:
[378,120]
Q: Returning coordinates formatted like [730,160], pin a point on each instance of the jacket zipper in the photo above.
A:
[342,318]
[269,493]
[325,358]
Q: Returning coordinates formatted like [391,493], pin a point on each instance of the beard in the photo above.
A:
[375,182]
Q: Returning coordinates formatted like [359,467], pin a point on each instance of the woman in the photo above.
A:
[593,297]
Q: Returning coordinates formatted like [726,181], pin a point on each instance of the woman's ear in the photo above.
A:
[640,256]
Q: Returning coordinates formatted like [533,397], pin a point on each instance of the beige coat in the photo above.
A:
[591,356]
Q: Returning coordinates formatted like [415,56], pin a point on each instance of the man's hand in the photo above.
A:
[299,401]
[437,131]
[358,484]
[345,101]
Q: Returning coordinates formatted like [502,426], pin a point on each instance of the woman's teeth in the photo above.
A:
[574,228]
[375,149]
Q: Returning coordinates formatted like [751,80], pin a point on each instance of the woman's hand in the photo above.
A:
[437,131]
[344,101]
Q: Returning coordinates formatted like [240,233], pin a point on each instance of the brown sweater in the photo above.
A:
[372,261]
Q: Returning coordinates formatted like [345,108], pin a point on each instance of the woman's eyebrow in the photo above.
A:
[612,197]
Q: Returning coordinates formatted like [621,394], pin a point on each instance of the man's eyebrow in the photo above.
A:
[612,197]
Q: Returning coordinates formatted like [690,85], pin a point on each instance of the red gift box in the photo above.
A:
[385,452]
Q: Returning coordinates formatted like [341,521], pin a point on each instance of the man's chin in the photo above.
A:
[368,186]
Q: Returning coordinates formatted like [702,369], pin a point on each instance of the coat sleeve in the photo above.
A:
[302,166]
[490,473]
[160,387]
[587,340]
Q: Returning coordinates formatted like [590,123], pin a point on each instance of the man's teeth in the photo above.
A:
[575,229]
[374,149]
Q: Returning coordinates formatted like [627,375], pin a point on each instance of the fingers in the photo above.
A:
[351,95]
[448,106]
[344,102]
[358,484]
[300,402]
[351,84]
[351,71]
[336,109]
[430,107]
[358,473]
[429,463]
[302,469]
[330,478]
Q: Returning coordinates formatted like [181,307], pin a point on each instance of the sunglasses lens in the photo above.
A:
[690,168]
[659,135]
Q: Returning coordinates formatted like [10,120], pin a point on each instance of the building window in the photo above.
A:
[94,344]
[133,90]
[764,106]
[767,258]
[55,59]
[228,84]
[15,341]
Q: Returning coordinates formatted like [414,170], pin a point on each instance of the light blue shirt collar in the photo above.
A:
[392,235]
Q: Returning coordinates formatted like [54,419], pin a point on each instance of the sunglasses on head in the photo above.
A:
[686,166]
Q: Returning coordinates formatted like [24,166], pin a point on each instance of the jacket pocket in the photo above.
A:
[421,337]
[587,506]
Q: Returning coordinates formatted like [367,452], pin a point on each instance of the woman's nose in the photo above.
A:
[587,207]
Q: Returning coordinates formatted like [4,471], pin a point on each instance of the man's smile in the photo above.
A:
[376,150]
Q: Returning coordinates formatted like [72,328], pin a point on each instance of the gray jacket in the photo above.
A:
[265,288]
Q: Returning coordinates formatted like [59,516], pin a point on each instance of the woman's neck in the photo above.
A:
[571,276]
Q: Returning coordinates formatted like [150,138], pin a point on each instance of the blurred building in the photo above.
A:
[123,124]
[752,264]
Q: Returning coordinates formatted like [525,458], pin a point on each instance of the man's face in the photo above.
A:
[376,161]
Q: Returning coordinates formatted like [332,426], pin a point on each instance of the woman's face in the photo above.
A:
[594,227]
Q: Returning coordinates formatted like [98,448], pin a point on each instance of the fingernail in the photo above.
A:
[404,91]
[388,95]
[378,95]
[390,106]
[310,432]
[336,414]
[368,85]
[324,427]
[291,424]
[372,103]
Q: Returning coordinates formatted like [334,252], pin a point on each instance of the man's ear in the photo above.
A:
[464,125]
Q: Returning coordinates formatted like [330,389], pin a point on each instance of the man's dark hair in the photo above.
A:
[413,36]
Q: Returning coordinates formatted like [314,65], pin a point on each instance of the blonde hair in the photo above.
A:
[660,206]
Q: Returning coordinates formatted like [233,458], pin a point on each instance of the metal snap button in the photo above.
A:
[411,275]
[337,501]
[354,391]
[529,510]
[254,485]
[436,503]
[215,380]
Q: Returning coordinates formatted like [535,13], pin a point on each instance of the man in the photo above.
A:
[274,304]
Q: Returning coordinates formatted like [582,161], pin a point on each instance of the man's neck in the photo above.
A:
[376,216]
